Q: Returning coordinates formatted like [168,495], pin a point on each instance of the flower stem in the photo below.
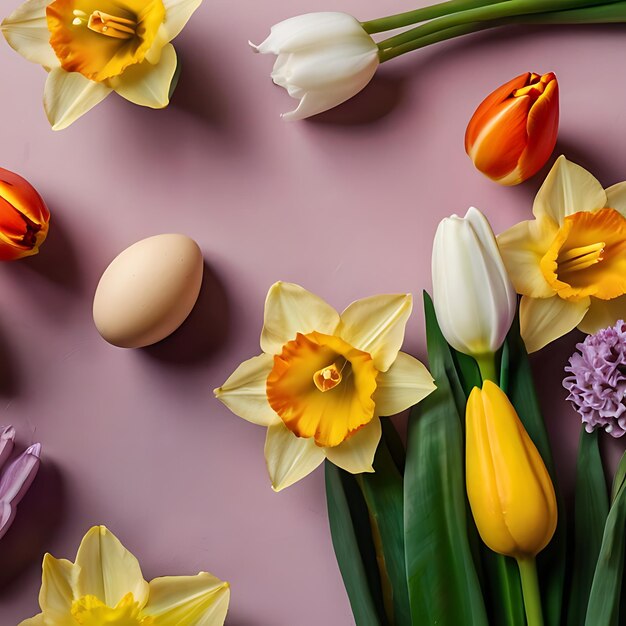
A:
[487,367]
[530,591]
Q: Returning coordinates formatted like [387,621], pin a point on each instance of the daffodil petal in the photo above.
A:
[68,95]
[568,188]
[57,588]
[376,325]
[33,621]
[404,384]
[146,84]
[616,197]
[522,247]
[602,314]
[26,31]
[289,458]
[108,570]
[245,394]
[356,454]
[177,14]
[200,600]
[543,320]
[289,310]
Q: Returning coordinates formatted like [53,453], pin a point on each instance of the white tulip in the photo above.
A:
[473,295]
[323,60]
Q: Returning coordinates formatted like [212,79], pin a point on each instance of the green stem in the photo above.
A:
[487,367]
[501,10]
[422,14]
[530,591]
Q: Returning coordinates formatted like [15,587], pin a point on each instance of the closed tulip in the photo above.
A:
[508,486]
[513,132]
[474,299]
[24,217]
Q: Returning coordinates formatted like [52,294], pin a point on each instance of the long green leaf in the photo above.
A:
[444,588]
[384,498]
[354,547]
[521,392]
[591,510]
[604,599]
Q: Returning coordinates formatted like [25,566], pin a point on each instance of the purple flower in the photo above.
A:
[597,384]
[16,477]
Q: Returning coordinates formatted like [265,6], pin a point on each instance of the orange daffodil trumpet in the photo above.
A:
[93,47]
[569,263]
[513,132]
[324,380]
[105,586]
[24,217]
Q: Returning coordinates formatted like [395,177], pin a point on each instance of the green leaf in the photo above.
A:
[394,443]
[591,510]
[444,587]
[521,392]
[354,547]
[620,476]
[604,599]
[384,497]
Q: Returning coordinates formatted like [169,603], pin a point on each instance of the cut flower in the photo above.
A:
[105,586]
[569,263]
[324,380]
[93,47]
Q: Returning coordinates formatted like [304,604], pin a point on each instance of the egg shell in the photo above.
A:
[148,290]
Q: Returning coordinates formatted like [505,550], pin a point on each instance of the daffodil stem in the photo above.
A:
[487,367]
[530,591]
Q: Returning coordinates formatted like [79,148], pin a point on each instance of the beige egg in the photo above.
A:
[148,290]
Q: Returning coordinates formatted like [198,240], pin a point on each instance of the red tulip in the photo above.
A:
[24,217]
[513,132]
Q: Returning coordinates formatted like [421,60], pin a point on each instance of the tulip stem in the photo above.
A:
[487,367]
[530,591]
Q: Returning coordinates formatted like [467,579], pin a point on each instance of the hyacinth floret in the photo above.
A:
[597,381]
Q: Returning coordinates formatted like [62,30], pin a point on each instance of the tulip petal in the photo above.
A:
[543,320]
[33,621]
[19,475]
[26,31]
[200,600]
[7,515]
[68,95]
[289,310]
[602,314]
[376,325]
[567,189]
[289,458]
[356,454]
[404,384]
[522,247]
[108,570]
[245,391]
[616,197]
[7,441]
[58,586]
[177,14]
[146,84]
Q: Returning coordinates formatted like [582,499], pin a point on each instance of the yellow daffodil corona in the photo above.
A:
[93,47]
[324,380]
[105,586]
[569,263]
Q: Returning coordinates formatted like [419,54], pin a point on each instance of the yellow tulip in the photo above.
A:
[105,586]
[91,48]
[509,489]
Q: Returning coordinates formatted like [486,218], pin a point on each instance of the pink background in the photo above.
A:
[345,205]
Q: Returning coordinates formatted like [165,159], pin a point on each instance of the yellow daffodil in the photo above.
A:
[569,263]
[93,47]
[324,380]
[105,586]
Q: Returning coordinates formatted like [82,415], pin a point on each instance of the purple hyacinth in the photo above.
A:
[597,385]
[16,477]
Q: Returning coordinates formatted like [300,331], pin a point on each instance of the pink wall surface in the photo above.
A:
[345,204]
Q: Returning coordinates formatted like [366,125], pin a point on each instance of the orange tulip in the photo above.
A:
[513,132]
[24,217]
